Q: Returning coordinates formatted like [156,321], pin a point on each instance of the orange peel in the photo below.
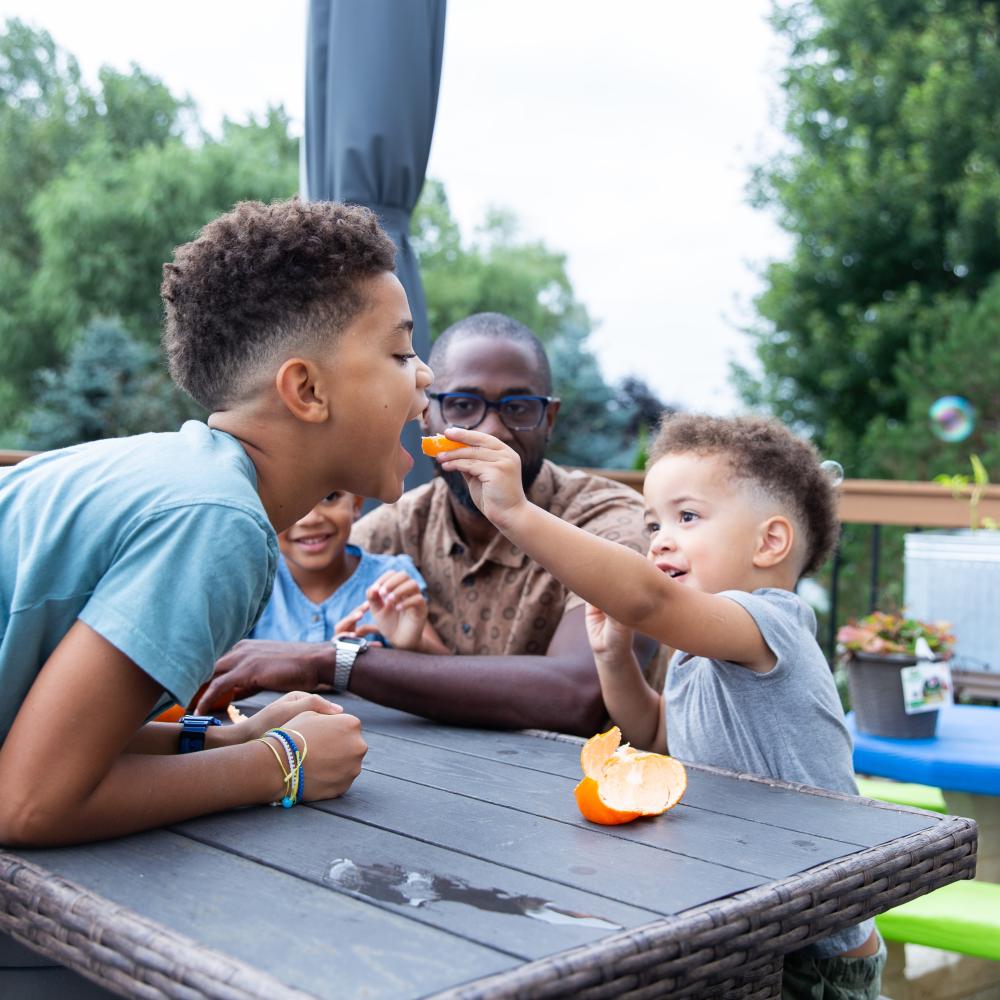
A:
[434,444]
[621,783]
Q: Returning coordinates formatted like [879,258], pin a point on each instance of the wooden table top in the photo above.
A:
[459,855]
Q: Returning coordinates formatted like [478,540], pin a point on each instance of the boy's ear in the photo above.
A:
[358,502]
[775,541]
[299,387]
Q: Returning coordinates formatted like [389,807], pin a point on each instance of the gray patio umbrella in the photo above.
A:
[373,69]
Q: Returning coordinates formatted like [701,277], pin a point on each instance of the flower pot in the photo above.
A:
[954,576]
[876,686]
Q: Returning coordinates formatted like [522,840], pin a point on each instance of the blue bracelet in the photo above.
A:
[295,791]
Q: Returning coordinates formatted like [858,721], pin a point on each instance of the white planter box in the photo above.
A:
[954,576]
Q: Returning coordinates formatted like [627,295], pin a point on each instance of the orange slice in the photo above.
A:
[621,784]
[436,443]
[173,714]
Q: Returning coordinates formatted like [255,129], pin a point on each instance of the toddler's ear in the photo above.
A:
[358,502]
[775,541]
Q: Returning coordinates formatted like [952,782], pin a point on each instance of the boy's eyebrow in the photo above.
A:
[675,502]
[403,326]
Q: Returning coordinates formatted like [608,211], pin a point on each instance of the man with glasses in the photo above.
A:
[520,653]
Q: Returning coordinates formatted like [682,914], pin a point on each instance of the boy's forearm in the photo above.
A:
[142,791]
[632,704]
[164,737]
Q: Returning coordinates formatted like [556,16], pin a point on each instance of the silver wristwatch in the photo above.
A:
[348,648]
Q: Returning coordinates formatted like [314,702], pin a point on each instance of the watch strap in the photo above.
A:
[346,651]
[193,729]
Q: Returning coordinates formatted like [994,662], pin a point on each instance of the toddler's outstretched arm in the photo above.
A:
[610,576]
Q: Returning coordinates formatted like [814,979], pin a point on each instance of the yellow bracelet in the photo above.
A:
[281,763]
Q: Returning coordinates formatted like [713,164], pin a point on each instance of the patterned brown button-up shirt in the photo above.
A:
[502,603]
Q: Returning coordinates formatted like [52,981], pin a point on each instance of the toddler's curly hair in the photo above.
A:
[262,279]
[766,454]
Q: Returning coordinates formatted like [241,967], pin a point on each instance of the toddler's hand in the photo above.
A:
[492,472]
[280,711]
[608,638]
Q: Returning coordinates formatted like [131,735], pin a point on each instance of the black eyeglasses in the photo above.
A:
[468,409]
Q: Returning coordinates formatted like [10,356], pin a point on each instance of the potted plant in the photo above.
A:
[955,575]
[876,650]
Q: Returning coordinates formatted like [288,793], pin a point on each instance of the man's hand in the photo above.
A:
[492,472]
[265,665]
[280,712]
[609,640]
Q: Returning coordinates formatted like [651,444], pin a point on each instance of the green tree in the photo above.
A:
[891,192]
[496,272]
[599,423]
[110,386]
[98,187]
[108,223]
[48,118]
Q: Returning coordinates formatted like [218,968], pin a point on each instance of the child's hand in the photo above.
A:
[335,752]
[275,715]
[492,472]
[608,639]
[399,609]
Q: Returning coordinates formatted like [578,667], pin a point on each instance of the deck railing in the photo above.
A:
[869,502]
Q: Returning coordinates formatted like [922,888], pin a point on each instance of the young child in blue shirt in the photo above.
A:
[325,587]
[128,566]
[737,511]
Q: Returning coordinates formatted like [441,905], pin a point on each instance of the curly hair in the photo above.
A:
[259,280]
[768,455]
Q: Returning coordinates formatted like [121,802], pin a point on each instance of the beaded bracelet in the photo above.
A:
[293,780]
[299,778]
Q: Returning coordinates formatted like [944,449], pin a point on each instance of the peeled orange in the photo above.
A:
[621,784]
[434,444]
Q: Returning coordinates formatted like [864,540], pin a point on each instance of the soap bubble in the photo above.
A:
[952,418]
[833,471]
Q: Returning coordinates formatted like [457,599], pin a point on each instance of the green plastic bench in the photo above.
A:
[902,794]
[963,917]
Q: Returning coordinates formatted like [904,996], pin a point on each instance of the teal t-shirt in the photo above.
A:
[158,542]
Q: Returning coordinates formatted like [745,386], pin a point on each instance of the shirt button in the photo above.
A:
[315,618]
[466,627]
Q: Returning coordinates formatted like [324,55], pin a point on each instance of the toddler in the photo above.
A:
[737,510]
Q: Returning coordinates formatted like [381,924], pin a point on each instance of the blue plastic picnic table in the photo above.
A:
[964,756]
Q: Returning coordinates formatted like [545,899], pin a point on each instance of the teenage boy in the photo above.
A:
[128,566]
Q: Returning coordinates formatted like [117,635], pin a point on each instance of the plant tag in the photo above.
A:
[926,686]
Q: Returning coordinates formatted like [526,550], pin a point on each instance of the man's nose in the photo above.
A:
[492,424]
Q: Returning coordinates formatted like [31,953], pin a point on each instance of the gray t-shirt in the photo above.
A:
[787,723]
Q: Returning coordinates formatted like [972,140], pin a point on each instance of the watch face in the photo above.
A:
[353,640]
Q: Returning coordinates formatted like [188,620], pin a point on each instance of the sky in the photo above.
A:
[623,137]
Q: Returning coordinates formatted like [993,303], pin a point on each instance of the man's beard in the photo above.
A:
[460,491]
